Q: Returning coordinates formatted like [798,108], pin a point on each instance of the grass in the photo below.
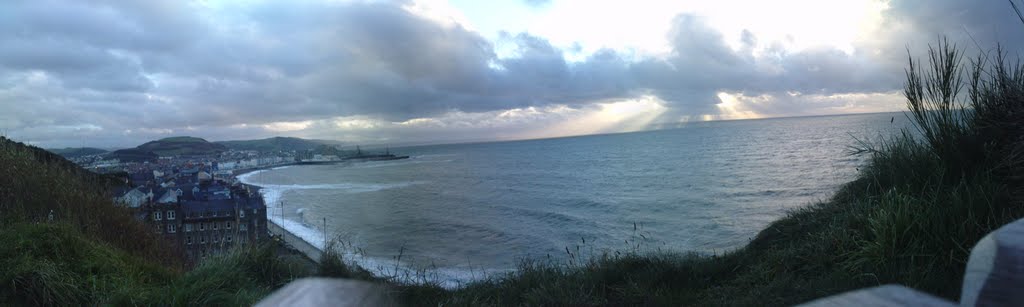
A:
[923,199]
[39,186]
[240,278]
[65,243]
[53,264]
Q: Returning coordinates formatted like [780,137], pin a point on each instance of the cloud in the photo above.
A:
[537,3]
[118,73]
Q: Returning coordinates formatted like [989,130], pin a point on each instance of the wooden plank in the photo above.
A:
[995,271]
[887,295]
[328,292]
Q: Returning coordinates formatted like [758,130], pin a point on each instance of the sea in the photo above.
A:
[461,212]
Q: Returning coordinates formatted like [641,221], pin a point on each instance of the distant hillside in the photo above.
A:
[133,155]
[75,152]
[182,146]
[275,144]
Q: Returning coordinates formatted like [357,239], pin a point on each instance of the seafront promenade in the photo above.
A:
[294,241]
[278,231]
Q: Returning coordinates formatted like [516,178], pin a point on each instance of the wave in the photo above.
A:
[347,187]
[448,277]
[409,161]
[244,178]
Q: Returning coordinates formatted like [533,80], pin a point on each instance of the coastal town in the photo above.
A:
[193,198]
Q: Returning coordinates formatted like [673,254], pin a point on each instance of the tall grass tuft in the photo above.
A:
[239,278]
[334,263]
[930,196]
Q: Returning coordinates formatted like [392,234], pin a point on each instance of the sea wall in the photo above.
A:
[294,241]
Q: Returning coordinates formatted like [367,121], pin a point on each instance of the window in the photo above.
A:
[170,214]
[188,227]
[202,226]
[159,229]
[171,228]
[188,240]
[156,216]
[202,240]
[241,226]
[253,210]
[228,238]
[241,213]
[215,239]
[215,224]
[227,225]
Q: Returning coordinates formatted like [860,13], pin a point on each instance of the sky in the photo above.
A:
[116,74]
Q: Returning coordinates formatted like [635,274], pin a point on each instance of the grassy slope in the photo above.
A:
[92,252]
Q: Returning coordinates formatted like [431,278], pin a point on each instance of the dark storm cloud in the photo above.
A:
[113,69]
[988,22]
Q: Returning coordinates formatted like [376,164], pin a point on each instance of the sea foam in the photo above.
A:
[314,235]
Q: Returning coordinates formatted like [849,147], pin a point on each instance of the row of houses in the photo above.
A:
[227,165]
[223,162]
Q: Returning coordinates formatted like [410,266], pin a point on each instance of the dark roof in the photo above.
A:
[197,206]
[250,202]
[138,178]
[120,191]
[190,206]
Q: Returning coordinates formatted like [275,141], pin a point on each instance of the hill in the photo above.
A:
[75,152]
[182,146]
[133,155]
[275,144]
[63,236]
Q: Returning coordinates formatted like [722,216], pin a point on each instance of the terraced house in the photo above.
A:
[206,217]
[212,227]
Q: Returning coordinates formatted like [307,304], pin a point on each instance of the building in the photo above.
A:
[207,219]
[215,226]
[136,197]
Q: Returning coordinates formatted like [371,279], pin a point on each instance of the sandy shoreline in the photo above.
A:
[238,172]
[291,241]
